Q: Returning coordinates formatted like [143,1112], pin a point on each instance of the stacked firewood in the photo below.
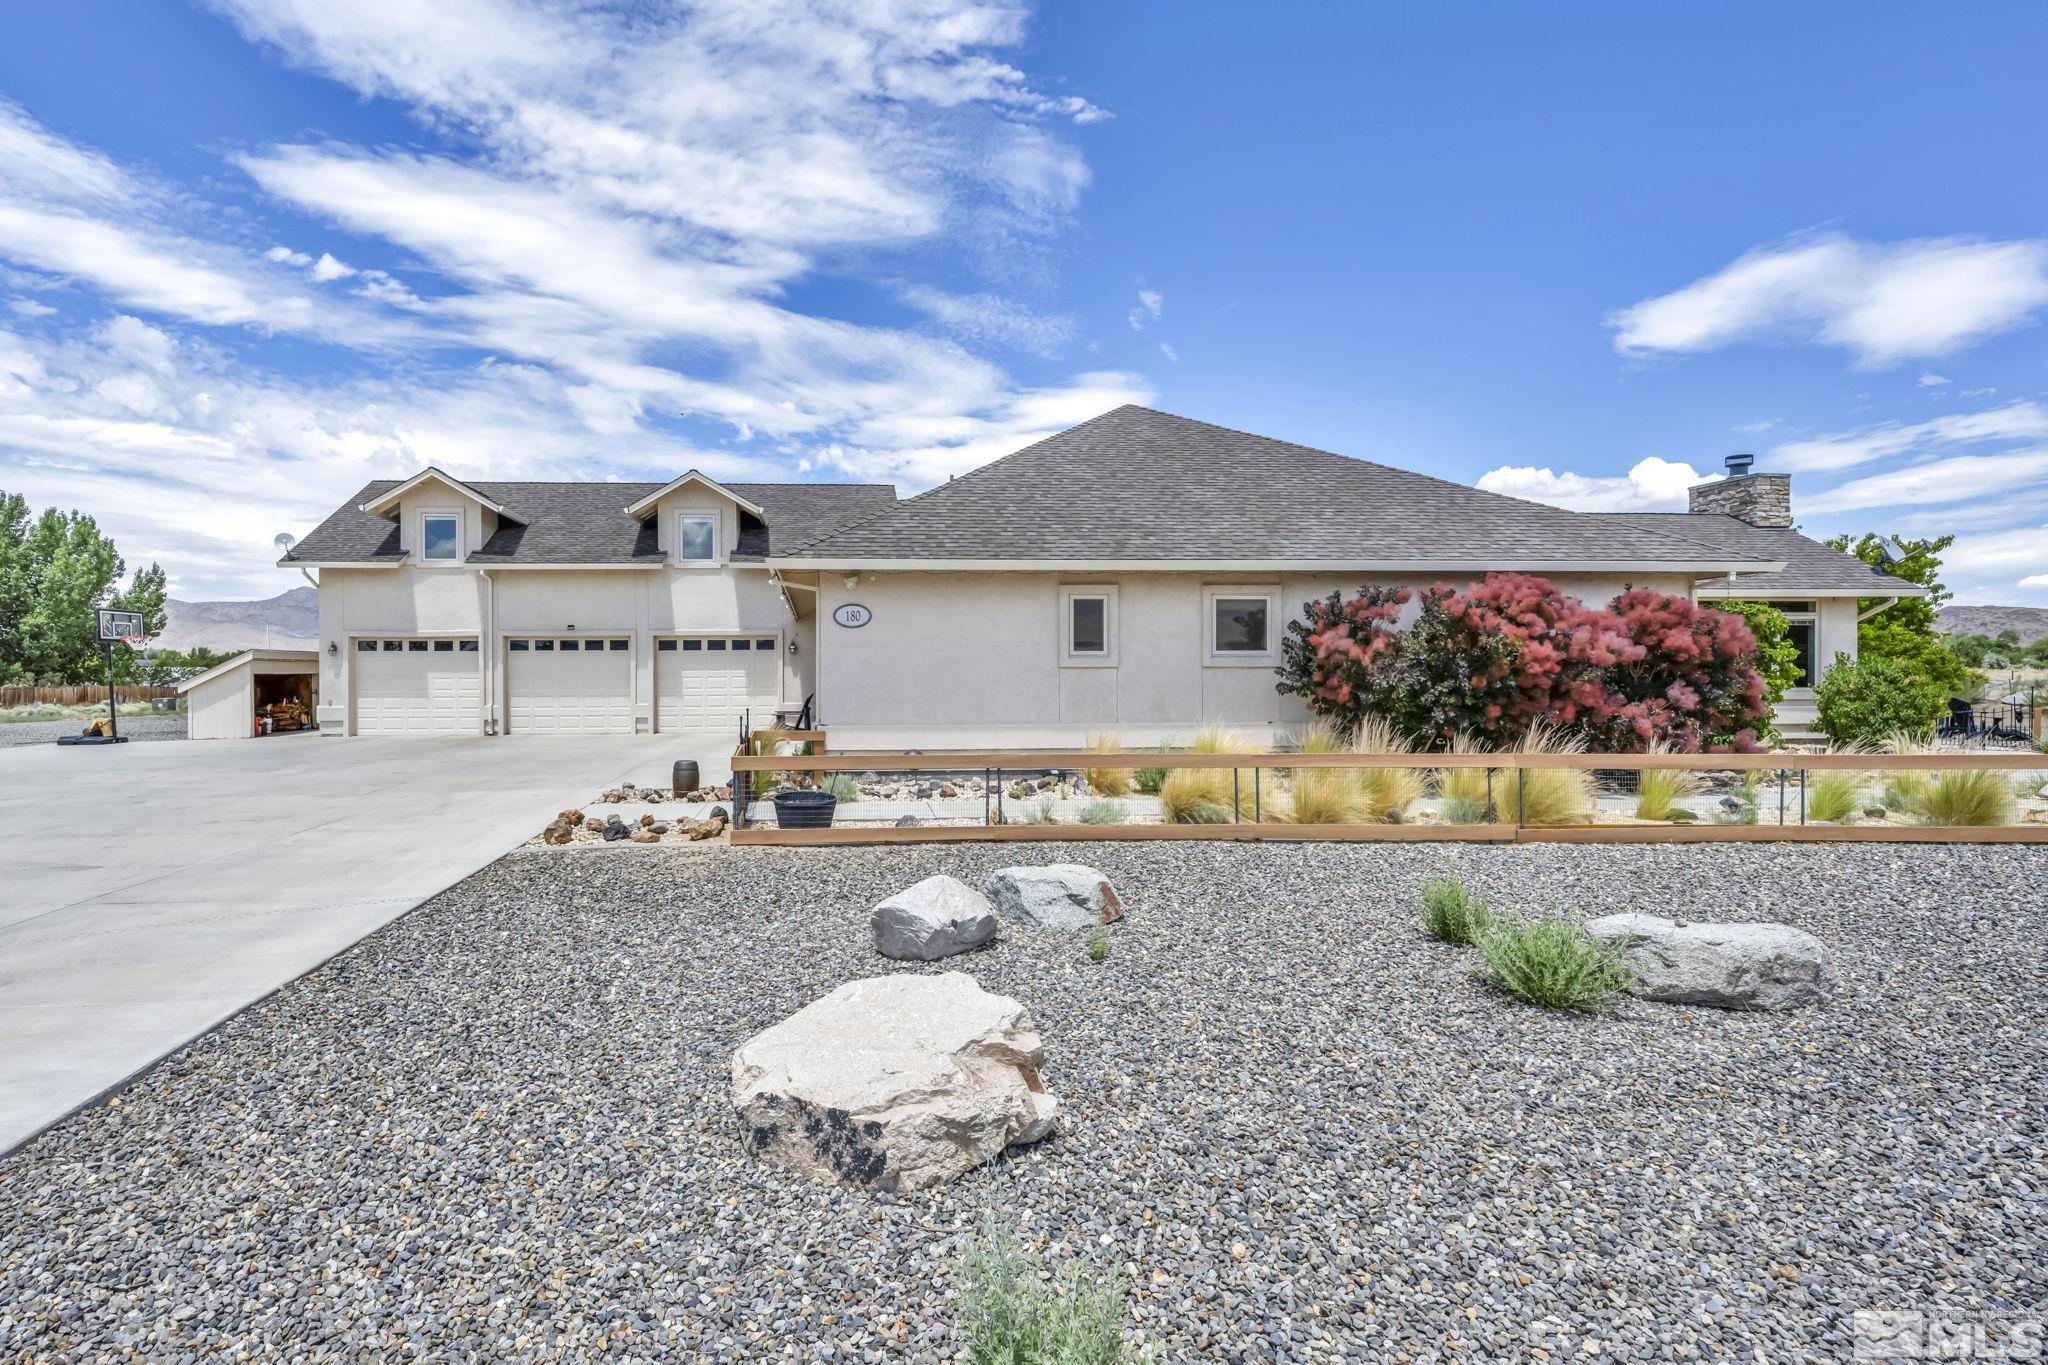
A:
[288,714]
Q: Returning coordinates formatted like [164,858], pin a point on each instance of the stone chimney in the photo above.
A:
[1759,499]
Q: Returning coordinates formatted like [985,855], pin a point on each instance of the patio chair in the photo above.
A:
[1962,721]
[795,718]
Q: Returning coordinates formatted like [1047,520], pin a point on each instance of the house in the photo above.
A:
[1134,572]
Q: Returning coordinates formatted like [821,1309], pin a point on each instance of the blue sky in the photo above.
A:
[256,252]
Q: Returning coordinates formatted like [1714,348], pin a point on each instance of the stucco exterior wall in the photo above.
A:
[965,659]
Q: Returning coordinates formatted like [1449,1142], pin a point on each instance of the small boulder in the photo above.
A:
[644,836]
[1729,966]
[658,828]
[894,1083]
[646,820]
[1874,812]
[560,832]
[948,791]
[936,918]
[717,813]
[708,829]
[907,821]
[1058,896]
[572,816]
[593,824]
[616,829]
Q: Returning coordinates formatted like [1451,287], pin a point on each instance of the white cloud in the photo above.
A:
[1150,304]
[1169,353]
[1845,450]
[608,261]
[1652,485]
[1931,380]
[1883,302]
[1960,478]
[2012,556]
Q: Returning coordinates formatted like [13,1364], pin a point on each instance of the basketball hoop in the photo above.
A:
[135,641]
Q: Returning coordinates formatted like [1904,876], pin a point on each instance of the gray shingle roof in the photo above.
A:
[586,523]
[1135,484]
[1809,565]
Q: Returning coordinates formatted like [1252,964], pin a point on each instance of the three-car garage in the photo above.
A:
[561,683]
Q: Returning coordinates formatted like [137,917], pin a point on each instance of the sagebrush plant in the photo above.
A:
[1100,812]
[1107,781]
[1322,796]
[1452,913]
[1660,792]
[843,786]
[1386,792]
[1098,943]
[1967,796]
[1459,810]
[1012,1314]
[1554,963]
[1187,788]
[1549,796]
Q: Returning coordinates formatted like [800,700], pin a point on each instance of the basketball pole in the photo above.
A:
[113,711]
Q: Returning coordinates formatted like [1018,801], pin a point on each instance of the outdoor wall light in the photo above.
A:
[333,648]
[792,646]
[853,580]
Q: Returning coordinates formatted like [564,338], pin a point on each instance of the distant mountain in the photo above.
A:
[290,620]
[2029,623]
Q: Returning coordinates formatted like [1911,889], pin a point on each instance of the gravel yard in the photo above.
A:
[499,1129]
[137,728]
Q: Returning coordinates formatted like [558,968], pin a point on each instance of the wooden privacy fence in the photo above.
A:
[82,694]
[1252,781]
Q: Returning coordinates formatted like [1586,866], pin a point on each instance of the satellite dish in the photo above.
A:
[282,540]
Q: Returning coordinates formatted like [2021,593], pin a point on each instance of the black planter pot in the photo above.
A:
[804,809]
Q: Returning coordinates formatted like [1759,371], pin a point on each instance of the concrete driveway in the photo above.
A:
[148,891]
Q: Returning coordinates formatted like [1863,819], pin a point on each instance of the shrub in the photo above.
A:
[1101,812]
[1748,796]
[1107,781]
[1967,796]
[1324,796]
[1905,789]
[1549,796]
[1660,791]
[1462,790]
[1512,650]
[1098,943]
[1187,788]
[1776,659]
[1385,791]
[1206,813]
[1012,1314]
[1149,780]
[843,786]
[1039,812]
[1453,914]
[1554,963]
[1869,700]
[1459,810]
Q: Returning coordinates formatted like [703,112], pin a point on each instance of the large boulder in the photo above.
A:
[894,1083]
[1732,966]
[1057,896]
[936,918]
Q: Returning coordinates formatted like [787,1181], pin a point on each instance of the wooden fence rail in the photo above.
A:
[1507,827]
[82,694]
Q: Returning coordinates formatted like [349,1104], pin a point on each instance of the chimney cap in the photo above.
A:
[1738,465]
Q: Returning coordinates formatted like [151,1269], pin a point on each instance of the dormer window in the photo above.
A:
[440,538]
[696,538]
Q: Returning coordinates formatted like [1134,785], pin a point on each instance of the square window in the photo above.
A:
[742,644]
[444,646]
[438,535]
[519,645]
[366,646]
[693,644]
[621,645]
[1088,625]
[696,538]
[1240,625]
[466,646]
[665,646]
[416,646]
[717,644]
[393,646]
[570,646]
[543,646]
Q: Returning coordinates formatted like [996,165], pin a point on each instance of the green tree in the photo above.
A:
[1904,631]
[144,594]
[54,571]
[1777,658]
[168,666]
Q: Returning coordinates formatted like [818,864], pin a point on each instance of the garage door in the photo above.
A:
[705,682]
[408,686]
[568,685]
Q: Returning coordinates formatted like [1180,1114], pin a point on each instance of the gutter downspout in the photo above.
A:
[307,574]
[1885,605]
[488,650]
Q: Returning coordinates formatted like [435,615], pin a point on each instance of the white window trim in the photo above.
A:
[1068,657]
[1821,659]
[717,539]
[1241,658]
[461,537]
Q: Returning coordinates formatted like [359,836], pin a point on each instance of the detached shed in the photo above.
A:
[234,699]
